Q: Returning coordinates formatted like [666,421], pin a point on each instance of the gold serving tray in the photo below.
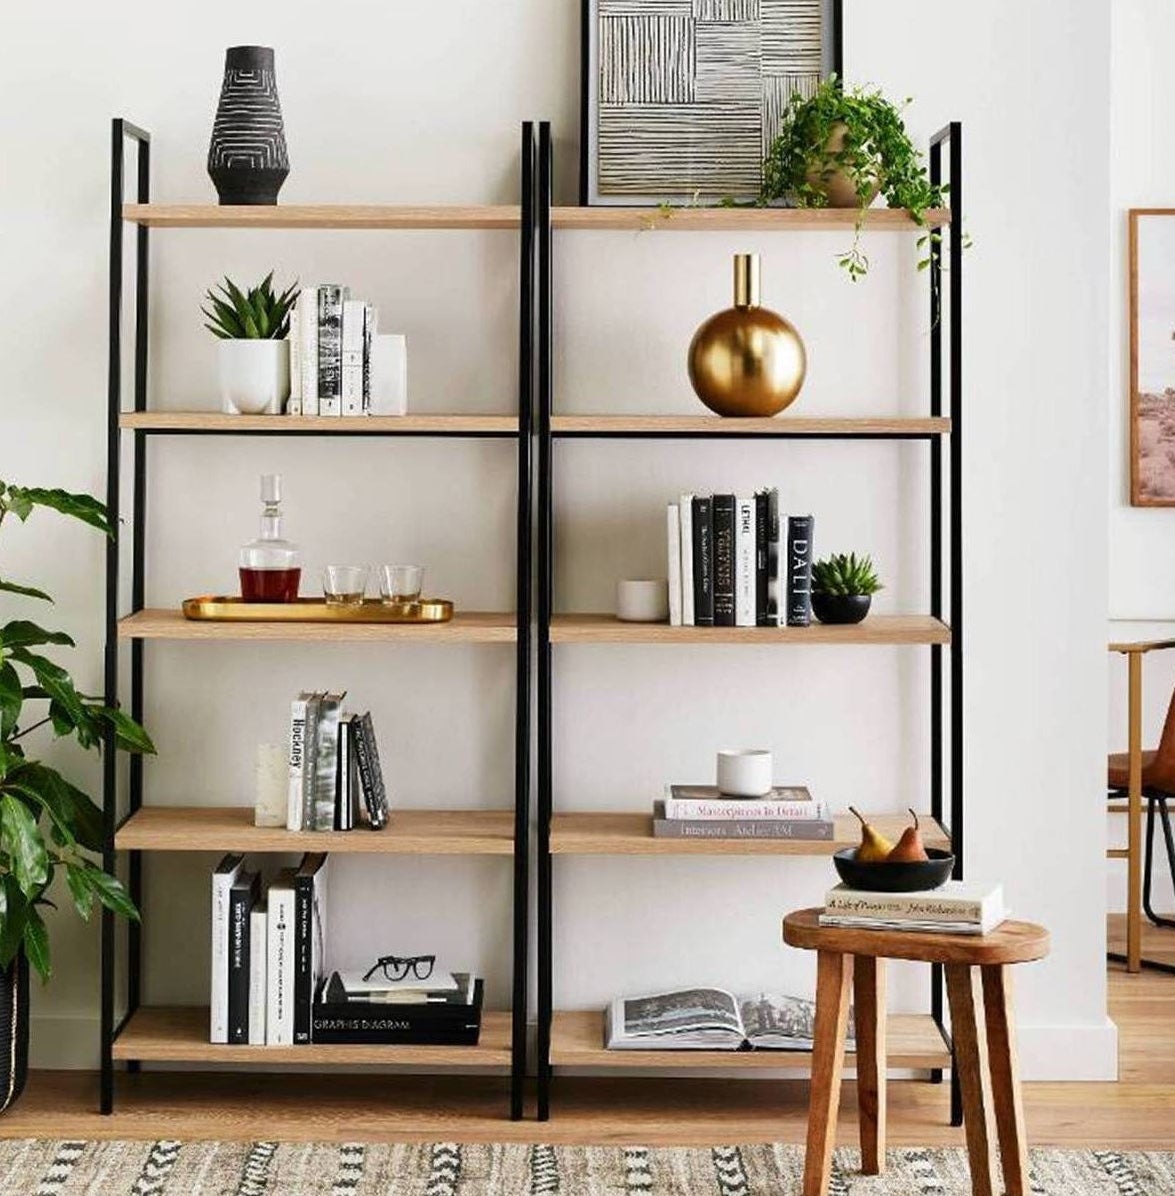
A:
[316,610]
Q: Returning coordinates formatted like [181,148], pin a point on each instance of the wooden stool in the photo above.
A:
[986,1061]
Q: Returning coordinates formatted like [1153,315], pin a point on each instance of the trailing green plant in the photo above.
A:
[841,575]
[48,824]
[257,314]
[859,134]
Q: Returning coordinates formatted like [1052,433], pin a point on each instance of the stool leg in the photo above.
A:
[1005,1078]
[971,1060]
[833,972]
[869,1016]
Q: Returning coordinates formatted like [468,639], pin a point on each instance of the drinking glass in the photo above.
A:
[344,585]
[401,583]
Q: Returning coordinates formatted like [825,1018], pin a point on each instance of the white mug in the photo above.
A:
[642,601]
[745,772]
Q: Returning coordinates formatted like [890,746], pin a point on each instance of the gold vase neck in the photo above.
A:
[746,280]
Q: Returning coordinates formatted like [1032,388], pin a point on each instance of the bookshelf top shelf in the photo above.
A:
[508,216]
[876,629]
[717,427]
[217,423]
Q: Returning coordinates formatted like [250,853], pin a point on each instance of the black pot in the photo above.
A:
[247,158]
[14,1030]
[840,608]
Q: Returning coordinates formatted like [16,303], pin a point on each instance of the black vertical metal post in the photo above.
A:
[546,587]
[524,587]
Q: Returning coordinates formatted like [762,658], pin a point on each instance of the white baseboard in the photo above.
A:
[66,1043]
[1081,1052]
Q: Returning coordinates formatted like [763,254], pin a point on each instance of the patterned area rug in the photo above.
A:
[44,1168]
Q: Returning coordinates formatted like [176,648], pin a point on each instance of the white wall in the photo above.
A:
[432,104]
[1142,565]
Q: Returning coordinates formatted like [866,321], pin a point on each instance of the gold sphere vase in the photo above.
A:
[747,360]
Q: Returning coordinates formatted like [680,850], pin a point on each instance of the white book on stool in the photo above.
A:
[389,375]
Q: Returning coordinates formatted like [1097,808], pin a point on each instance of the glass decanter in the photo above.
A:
[270,567]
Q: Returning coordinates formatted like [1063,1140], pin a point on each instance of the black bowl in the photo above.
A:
[915,876]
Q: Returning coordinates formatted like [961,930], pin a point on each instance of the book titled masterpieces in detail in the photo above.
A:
[711,1019]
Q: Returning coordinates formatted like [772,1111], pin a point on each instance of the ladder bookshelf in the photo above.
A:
[920,1041]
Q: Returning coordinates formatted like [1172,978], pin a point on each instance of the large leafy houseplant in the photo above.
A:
[853,136]
[47,824]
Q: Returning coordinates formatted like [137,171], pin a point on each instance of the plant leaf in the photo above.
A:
[128,735]
[36,944]
[21,633]
[83,894]
[10,587]
[77,506]
[22,837]
[56,682]
[110,892]
[11,698]
[14,913]
[68,807]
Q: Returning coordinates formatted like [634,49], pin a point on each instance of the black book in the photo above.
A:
[308,932]
[724,520]
[371,781]
[388,1024]
[799,570]
[773,558]
[346,774]
[244,894]
[703,562]
[762,515]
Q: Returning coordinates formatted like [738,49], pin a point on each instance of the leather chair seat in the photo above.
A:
[1119,769]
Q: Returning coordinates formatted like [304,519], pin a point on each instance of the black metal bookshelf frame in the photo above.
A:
[945,501]
[134,524]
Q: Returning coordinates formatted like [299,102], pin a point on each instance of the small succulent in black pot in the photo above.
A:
[843,588]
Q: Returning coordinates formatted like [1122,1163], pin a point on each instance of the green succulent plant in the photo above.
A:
[875,152]
[47,824]
[842,575]
[256,315]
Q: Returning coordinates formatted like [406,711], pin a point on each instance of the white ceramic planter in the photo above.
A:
[254,376]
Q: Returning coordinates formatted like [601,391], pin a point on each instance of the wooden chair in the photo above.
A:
[1158,787]
[979,988]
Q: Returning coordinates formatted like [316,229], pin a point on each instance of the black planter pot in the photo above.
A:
[247,158]
[840,608]
[14,1030]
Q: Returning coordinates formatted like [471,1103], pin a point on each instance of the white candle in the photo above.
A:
[272,775]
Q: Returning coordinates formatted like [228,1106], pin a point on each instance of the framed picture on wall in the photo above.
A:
[681,98]
[1152,357]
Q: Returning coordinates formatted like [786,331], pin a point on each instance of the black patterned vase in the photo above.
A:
[14,1029]
[247,158]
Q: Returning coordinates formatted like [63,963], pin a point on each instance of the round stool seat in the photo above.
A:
[1012,942]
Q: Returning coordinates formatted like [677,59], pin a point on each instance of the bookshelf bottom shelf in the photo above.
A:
[577,1040]
[179,1034]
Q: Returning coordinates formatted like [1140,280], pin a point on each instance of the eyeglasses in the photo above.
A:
[396,967]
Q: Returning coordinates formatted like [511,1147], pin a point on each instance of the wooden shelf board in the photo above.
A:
[738,219]
[179,1034]
[406,425]
[444,216]
[876,629]
[466,627]
[632,834]
[409,832]
[714,425]
[577,1040]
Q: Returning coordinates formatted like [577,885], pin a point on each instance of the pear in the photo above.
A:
[909,847]
[875,847]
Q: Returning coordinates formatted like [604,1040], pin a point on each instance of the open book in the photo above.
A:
[711,1019]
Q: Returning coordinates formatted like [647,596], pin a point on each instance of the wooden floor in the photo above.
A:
[1134,1113]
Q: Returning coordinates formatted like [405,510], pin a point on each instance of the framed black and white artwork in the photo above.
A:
[681,98]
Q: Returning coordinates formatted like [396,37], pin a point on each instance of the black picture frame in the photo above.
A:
[585,82]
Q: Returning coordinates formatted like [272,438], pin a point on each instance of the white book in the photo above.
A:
[294,341]
[744,562]
[370,330]
[308,349]
[782,804]
[294,811]
[673,544]
[222,882]
[330,348]
[356,986]
[686,518]
[354,320]
[957,901]
[258,966]
[279,972]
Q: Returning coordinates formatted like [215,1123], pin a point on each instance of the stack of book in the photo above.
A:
[267,952]
[334,763]
[444,1010]
[702,812]
[957,907]
[725,556]
[330,339]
